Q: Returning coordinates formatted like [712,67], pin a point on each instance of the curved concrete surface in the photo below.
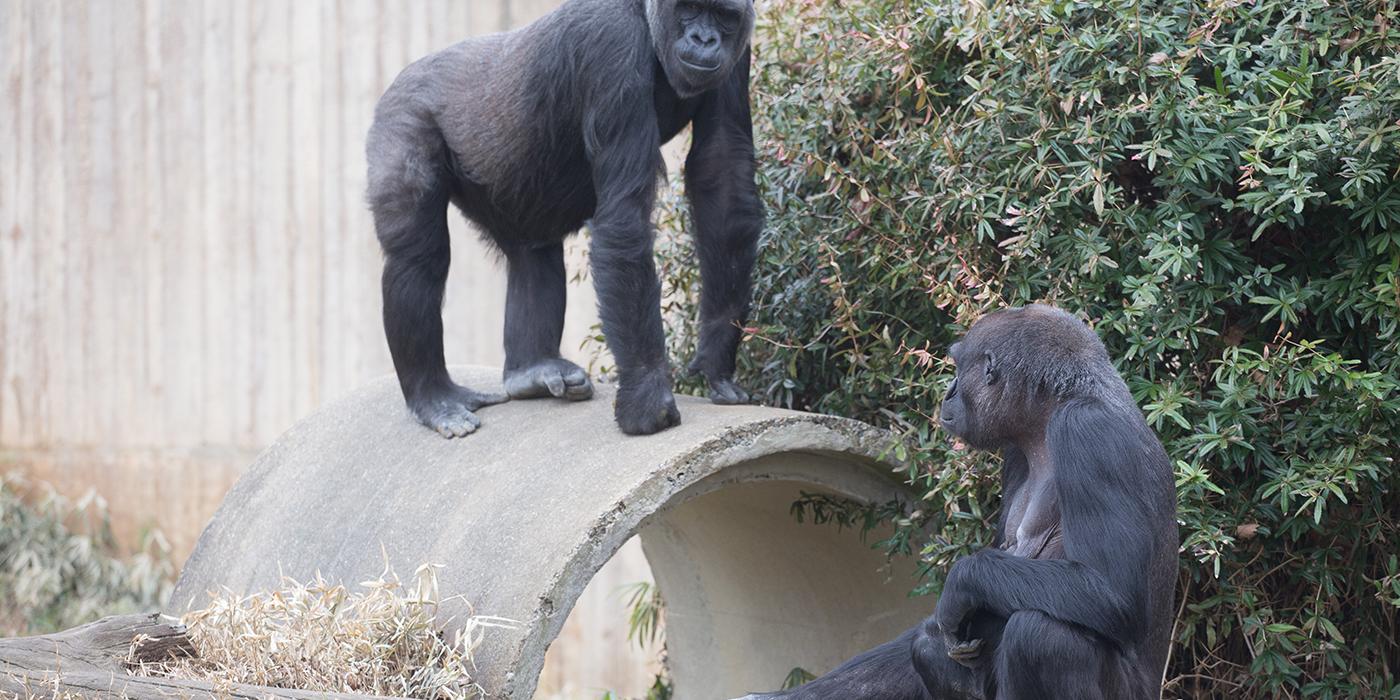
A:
[524,512]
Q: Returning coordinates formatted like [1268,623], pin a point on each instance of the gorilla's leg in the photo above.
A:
[1041,657]
[883,673]
[409,199]
[535,301]
[913,666]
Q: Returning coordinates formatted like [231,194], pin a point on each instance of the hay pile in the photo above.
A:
[383,640]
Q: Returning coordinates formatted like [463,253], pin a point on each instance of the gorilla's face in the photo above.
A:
[968,408]
[1015,366]
[699,41]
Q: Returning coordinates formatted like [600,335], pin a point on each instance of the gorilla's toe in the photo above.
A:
[452,421]
[553,377]
[477,399]
[448,409]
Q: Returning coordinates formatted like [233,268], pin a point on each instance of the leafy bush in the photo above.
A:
[1212,185]
[60,565]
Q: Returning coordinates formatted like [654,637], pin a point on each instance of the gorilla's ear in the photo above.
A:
[991,368]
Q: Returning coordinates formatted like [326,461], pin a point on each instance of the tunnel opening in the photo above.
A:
[751,593]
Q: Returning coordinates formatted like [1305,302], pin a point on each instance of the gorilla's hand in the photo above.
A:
[966,653]
[723,390]
[955,608]
[726,393]
[646,405]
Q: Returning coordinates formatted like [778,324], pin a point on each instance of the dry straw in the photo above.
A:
[385,640]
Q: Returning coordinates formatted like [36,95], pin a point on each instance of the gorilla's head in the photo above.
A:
[1013,367]
[972,395]
[699,41]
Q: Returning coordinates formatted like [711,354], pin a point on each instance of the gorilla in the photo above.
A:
[532,133]
[1074,599]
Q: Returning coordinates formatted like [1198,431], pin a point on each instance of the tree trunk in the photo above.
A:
[91,662]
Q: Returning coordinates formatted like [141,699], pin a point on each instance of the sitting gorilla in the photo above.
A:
[532,133]
[1074,600]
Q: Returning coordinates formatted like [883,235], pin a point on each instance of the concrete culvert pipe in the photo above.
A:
[524,512]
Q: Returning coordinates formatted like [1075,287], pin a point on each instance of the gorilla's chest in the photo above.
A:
[1033,527]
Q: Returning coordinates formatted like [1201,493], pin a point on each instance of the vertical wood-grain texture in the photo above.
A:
[187,265]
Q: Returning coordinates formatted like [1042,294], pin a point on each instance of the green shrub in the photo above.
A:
[60,565]
[1213,185]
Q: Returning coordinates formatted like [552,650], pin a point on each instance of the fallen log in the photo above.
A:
[93,661]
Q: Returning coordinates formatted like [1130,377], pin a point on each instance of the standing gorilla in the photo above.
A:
[1075,598]
[533,132]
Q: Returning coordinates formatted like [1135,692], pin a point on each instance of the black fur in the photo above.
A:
[883,673]
[531,134]
[1075,599]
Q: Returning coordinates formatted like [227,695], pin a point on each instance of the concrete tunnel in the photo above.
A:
[524,512]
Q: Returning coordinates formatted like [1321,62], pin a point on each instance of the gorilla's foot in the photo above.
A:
[551,377]
[646,406]
[449,409]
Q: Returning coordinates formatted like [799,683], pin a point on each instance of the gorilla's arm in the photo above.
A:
[623,145]
[625,160]
[1003,583]
[724,203]
[1099,455]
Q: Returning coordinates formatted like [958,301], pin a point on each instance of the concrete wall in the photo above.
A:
[186,262]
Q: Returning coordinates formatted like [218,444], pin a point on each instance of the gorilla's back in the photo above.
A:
[523,169]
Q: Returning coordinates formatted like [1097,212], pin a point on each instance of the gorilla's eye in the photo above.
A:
[991,369]
[953,388]
[728,20]
[688,11]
